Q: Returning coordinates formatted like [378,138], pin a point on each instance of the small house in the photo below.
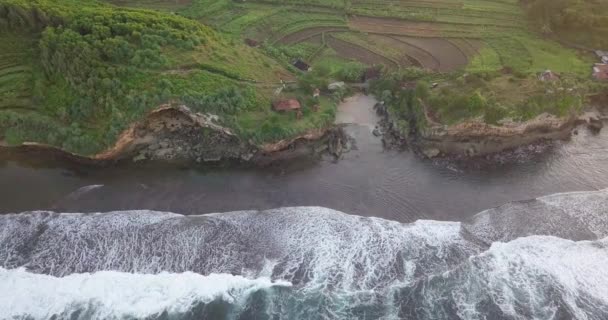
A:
[600,71]
[298,63]
[548,76]
[286,105]
[252,43]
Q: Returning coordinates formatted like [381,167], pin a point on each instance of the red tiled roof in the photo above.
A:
[600,71]
[284,105]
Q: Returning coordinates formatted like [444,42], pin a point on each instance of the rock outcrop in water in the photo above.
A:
[476,138]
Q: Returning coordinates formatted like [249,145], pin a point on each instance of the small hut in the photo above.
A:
[286,105]
[600,71]
[298,63]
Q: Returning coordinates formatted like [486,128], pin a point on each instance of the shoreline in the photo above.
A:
[175,134]
[475,138]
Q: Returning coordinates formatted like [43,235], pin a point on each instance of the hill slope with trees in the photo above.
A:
[75,74]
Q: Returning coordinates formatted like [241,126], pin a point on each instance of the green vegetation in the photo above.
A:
[75,73]
[488,96]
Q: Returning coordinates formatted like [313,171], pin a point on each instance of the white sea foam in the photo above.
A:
[589,207]
[534,276]
[493,265]
[112,295]
[83,190]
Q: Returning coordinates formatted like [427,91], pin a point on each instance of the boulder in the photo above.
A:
[595,125]
[431,152]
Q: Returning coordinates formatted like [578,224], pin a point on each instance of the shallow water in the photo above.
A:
[391,184]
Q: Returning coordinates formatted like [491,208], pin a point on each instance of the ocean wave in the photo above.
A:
[539,259]
[536,277]
[119,295]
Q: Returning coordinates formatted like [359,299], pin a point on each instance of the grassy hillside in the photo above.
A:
[439,35]
[476,49]
[76,73]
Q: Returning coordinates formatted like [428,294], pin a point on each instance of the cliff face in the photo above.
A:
[174,133]
[475,138]
[177,134]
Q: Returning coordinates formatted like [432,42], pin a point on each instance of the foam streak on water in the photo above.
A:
[538,259]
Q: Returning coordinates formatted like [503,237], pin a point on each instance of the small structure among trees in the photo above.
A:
[600,71]
[300,64]
[284,105]
[288,105]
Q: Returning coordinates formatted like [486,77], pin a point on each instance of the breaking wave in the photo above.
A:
[118,295]
[541,259]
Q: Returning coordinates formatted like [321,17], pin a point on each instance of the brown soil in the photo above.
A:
[423,58]
[415,3]
[315,40]
[408,28]
[470,48]
[450,57]
[306,34]
[404,59]
[153,3]
[353,51]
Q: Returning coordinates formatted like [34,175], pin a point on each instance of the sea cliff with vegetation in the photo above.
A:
[160,79]
[77,75]
[475,114]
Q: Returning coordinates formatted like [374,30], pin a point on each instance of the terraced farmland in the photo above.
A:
[354,51]
[15,75]
[438,35]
